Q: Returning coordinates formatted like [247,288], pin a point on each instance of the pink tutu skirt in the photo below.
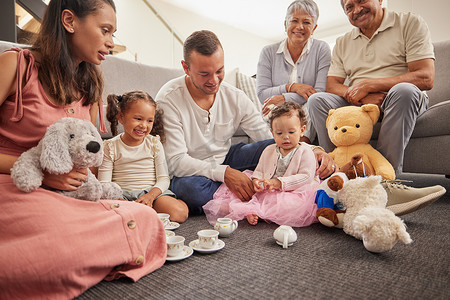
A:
[293,208]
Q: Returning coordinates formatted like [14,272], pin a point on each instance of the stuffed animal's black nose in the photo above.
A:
[93,147]
[344,130]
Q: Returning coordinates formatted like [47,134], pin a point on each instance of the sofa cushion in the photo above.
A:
[441,90]
[248,85]
[434,122]
[122,75]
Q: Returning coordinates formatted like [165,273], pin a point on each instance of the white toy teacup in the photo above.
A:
[175,245]
[164,218]
[225,226]
[207,238]
[285,236]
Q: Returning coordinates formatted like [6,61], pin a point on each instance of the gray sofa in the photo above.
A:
[428,148]
[425,153]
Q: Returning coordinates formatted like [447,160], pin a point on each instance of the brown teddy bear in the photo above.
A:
[350,129]
[330,211]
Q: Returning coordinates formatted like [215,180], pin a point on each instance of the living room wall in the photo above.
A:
[143,33]
[435,13]
[145,37]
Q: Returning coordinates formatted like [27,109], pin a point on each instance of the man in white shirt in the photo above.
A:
[201,114]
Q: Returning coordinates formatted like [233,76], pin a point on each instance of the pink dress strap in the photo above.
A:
[101,123]
[18,107]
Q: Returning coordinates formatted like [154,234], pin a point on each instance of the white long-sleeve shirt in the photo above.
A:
[198,140]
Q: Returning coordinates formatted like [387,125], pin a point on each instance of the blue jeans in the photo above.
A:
[196,191]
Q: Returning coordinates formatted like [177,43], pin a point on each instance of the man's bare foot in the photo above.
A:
[252,219]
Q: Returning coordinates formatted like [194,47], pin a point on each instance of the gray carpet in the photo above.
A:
[323,264]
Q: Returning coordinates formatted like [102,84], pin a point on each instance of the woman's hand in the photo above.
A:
[66,182]
[275,100]
[303,90]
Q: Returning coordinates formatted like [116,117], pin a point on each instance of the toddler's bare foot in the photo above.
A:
[252,219]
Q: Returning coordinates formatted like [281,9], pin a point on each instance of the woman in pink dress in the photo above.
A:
[53,246]
[284,179]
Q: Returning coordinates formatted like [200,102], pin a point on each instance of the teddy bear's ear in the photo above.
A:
[330,112]
[373,111]
[55,156]
[356,159]
[336,183]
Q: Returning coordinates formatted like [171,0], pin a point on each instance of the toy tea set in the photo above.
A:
[208,239]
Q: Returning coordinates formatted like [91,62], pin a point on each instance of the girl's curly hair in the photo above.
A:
[121,103]
[288,108]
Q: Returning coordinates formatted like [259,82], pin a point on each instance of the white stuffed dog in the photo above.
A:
[366,216]
[68,143]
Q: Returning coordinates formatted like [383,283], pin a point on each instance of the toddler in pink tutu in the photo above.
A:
[284,179]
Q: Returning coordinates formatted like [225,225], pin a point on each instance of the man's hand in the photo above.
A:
[325,164]
[374,98]
[356,92]
[365,92]
[239,183]
[66,182]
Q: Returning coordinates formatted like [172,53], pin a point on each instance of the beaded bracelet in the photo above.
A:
[289,90]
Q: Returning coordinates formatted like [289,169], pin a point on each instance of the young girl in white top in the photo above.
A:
[284,179]
[135,159]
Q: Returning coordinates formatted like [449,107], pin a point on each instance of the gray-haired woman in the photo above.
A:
[297,67]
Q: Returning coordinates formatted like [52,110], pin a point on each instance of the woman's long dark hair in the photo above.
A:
[66,81]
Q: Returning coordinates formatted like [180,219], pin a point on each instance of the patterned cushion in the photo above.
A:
[248,85]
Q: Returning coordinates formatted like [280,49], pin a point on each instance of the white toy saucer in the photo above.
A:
[169,233]
[172,226]
[186,252]
[195,245]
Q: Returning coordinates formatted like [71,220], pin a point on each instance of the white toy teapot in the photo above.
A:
[285,236]
[225,226]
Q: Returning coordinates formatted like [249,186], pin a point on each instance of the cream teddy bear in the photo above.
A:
[350,129]
[367,218]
